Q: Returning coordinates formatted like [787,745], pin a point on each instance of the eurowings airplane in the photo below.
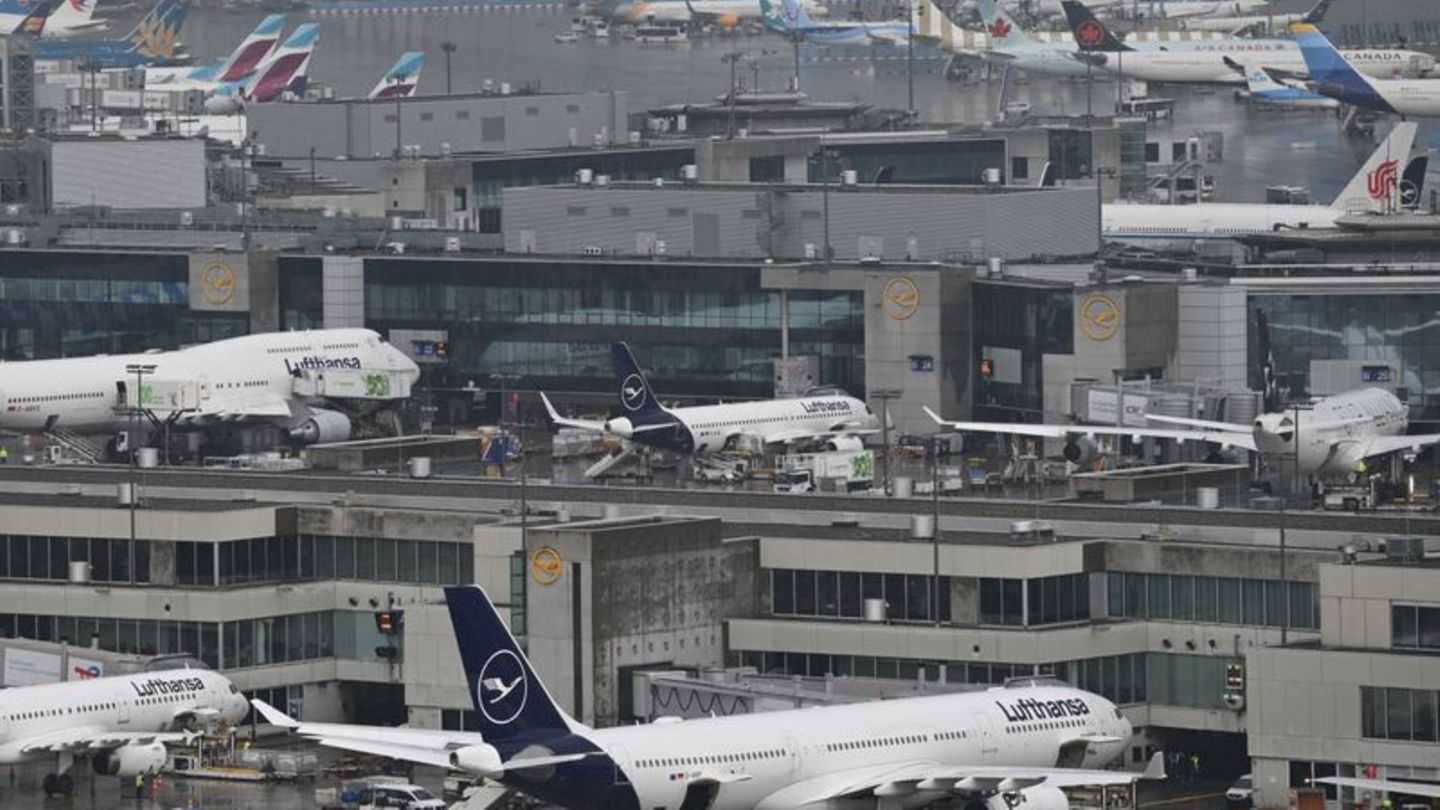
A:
[122,723]
[243,378]
[1016,745]
[403,79]
[72,18]
[1333,74]
[253,51]
[1328,438]
[793,21]
[281,75]
[834,419]
[155,40]
[1207,62]
[1380,186]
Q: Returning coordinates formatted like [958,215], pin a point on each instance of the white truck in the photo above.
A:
[836,471]
[373,792]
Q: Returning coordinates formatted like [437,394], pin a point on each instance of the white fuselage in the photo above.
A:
[713,427]
[1331,433]
[1179,226]
[1205,62]
[781,750]
[83,393]
[148,702]
[1417,97]
[676,11]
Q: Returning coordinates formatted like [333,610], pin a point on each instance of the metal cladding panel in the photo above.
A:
[129,174]
[580,220]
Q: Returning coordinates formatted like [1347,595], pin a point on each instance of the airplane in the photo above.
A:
[245,378]
[121,722]
[1240,23]
[1379,187]
[1008,746]
[1265,91]
[281,75]
[1205,62]
[794,22]
[723,12]
[832,419]
[155,40]
[254,50]
[1390,786]
[72,18]
[1326,440]
[1331,75]
[1012,46]
[403,78]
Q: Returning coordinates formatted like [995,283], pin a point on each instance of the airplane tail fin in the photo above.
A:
[1317,13]
[157,35]
[636,396]
[511,704]
[73,13]
[795,14]
[1329,71]
[253,51]
[403,78]
[1412,182]
[1376,188]
[284,72]
[773,18]
[34,23]
[1090,33]
[1002,29]
[1269,387]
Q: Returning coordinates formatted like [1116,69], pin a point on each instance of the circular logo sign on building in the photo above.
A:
[900,299]
[545,565]
[1099,317]
[217,283]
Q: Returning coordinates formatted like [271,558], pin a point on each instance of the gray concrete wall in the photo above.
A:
[1211,345]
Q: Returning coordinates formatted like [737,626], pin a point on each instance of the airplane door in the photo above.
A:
[621,758]
[988,744]
[793,749]
[122,710]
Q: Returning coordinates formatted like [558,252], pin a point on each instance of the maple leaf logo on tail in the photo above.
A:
[999,29]
[1089,33]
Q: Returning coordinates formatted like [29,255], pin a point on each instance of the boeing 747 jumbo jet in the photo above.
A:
[1016,745]
[257,377]
[122,723]
[834,419]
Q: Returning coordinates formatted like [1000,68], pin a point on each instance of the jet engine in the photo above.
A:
[480,760]
[1081,451]
[224,105]
[1035,798]
[845,443]
[322,426]
[727,20]
[130,760]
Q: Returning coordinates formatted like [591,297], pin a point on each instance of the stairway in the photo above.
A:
[80,446]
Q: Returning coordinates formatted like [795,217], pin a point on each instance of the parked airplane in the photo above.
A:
[1016,745]
[1336,77]
[1012,46]
[793,21]
[155,40]
[1392,787]
[1265,91]
[1380,186]
[403,78]
[1206,62]
[122,723]
[723,12]
[254,50]
[832,419]
[281,75]
[1239,23]
[72,18]
[246,378]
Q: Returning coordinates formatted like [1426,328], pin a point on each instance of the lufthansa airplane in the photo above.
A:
[246,378]
[122,723]
[834,419]
[1018,744]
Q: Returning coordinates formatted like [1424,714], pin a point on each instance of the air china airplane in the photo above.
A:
[1332,73]
[1208,62]
[244,378]
[833,419]
[1381,186]
[122,723]
[1021,743]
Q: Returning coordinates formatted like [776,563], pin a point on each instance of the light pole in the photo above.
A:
[732,58]
[935,529]
[910,65]
[398,95]
[448,47]
[137,397]
[502,379]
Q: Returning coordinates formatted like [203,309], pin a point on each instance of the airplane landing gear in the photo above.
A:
[58,783]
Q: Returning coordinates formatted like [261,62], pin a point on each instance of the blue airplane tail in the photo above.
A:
[796,14]
[1331,74]
[637,398]
[512,707]
[1412,182]
[1090,33]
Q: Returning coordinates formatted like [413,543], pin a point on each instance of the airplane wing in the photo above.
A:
[1382,785]
[792,436]
[898,779]
[582,424]
[887,37]
[1220,437]
[1381,445]
[80,740]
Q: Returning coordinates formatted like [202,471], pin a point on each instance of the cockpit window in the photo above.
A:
[1118,715]
[233,690]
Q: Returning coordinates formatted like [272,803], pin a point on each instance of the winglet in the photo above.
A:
[1156,768]
[274,716]
[934,416]
[550,409]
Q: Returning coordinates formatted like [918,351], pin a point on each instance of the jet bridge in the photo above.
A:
[346,383]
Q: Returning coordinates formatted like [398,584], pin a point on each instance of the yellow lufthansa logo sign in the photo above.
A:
[901,298]
[217,283]
[1099,317]
[545,565]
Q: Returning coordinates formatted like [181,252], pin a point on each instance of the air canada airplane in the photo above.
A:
[1019,744]
[833,419]
[1333,74]
[122,723]
[255,377]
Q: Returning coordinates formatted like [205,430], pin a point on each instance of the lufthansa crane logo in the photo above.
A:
[632,392]
[1099,317]
[545,565]
[217,283]
[501,688]
[900,299]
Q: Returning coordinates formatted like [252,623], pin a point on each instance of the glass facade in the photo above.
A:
[80,303]
[842,594]
[1034,320]
[1415,627]
[1399,331]
[301,293]
[142,636]
[704,330]
[956,162]
[1212,600]
[1402,715]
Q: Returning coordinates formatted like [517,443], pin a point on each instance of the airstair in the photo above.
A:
[76,444]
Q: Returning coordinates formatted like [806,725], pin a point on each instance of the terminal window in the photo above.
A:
[1405,715]
[1415,627]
